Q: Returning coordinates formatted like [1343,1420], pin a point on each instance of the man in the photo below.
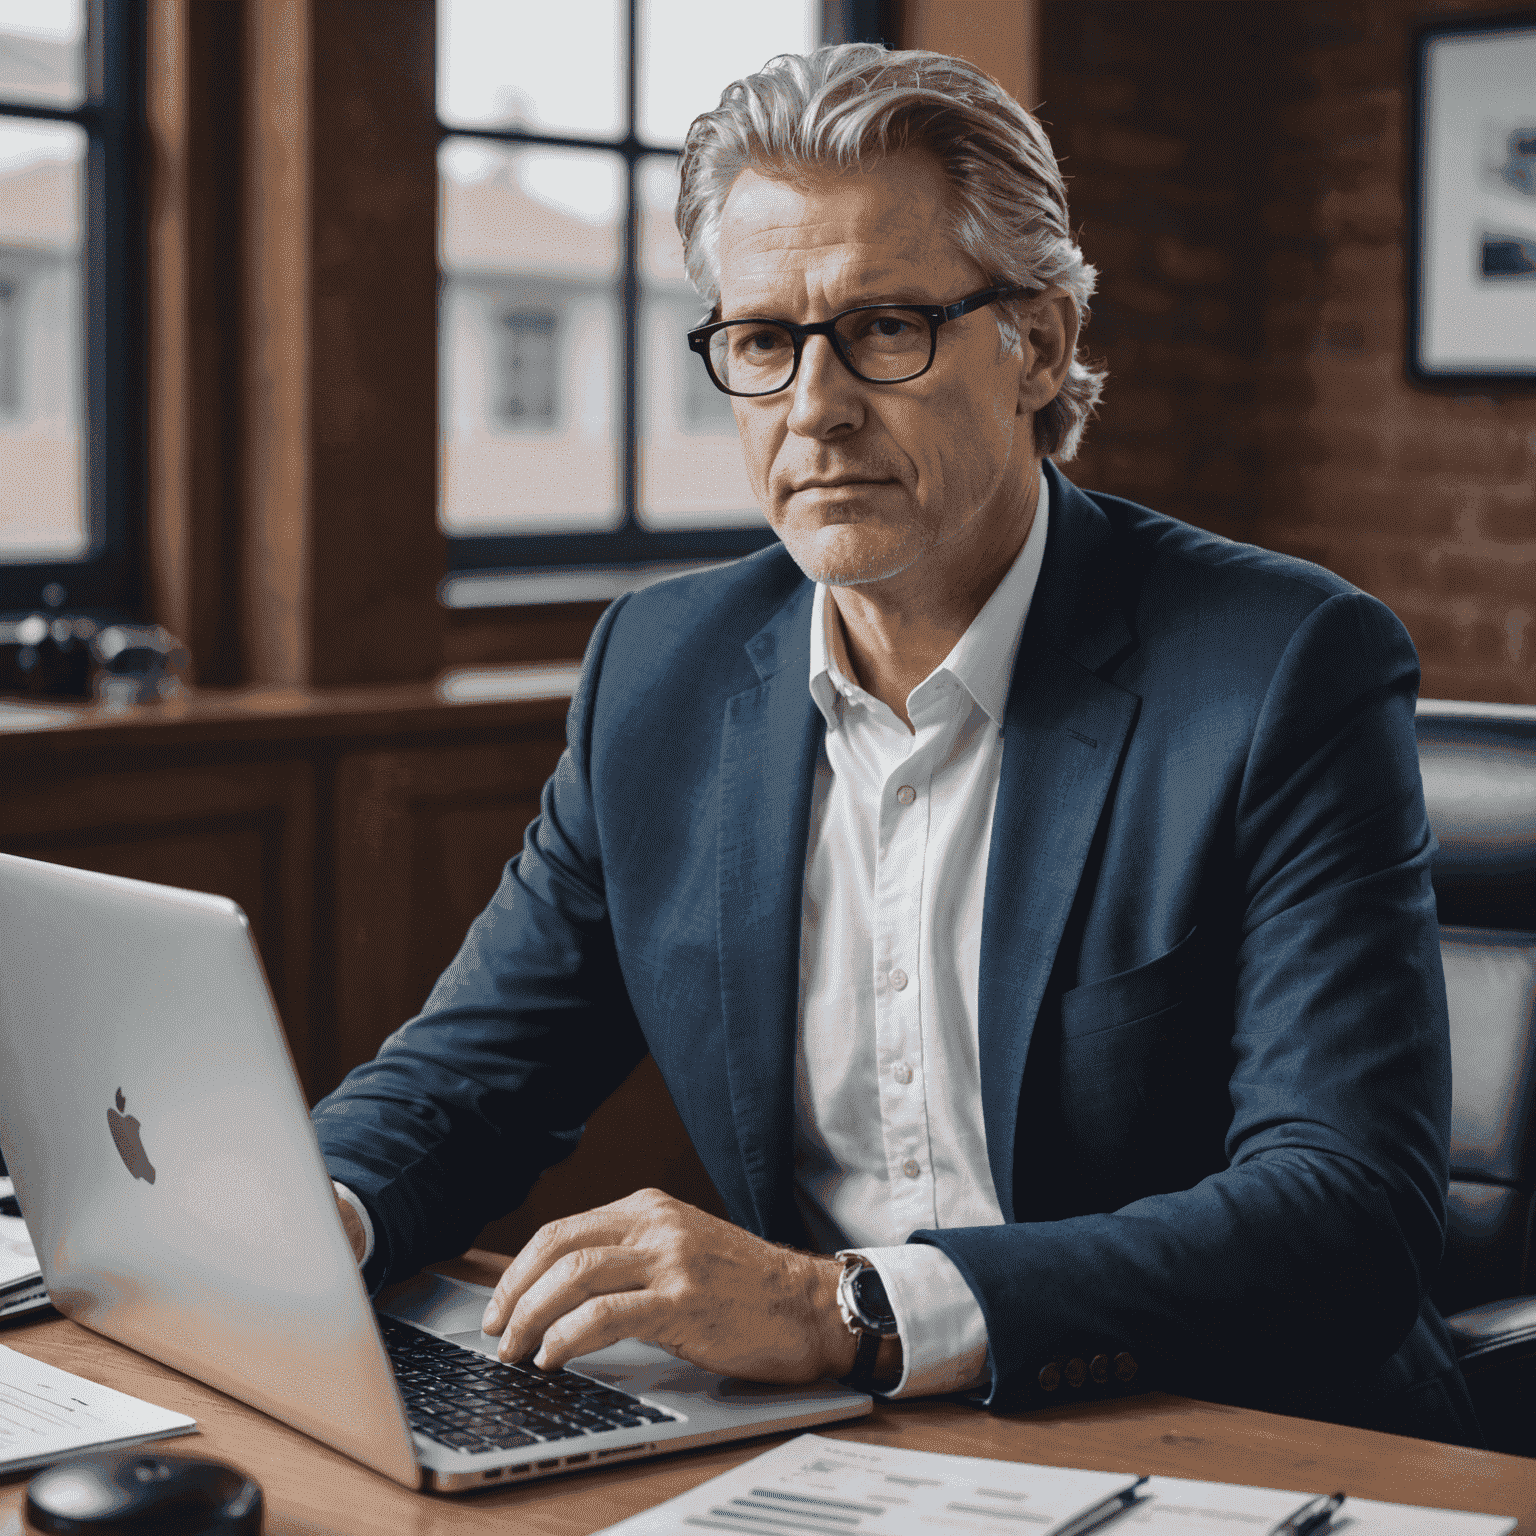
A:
[1016,887]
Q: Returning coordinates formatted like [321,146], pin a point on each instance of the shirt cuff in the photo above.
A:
[343,1193]
[943,1332]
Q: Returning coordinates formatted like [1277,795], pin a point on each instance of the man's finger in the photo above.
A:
[570,1281]
[592,1229]
[597,1323]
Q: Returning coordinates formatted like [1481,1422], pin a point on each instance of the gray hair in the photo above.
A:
[845,106]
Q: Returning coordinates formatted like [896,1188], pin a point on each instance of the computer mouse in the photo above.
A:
[134,1493]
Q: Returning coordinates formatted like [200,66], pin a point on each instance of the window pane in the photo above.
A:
[690,50]
[525,65]
[42,504]
[529,339]
[42,51]
[691,471]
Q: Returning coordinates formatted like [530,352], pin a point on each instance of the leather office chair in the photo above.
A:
[1479,766]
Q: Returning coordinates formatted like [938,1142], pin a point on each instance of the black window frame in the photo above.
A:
[108,579]
[630,544]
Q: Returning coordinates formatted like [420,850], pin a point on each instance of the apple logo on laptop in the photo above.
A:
[125,1132]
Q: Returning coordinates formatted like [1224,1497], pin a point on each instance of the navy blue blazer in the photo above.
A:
[1214,1061]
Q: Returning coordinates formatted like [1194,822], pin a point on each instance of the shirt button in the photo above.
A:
[899,980]
[910,1168]
[906,794]
[903,1073]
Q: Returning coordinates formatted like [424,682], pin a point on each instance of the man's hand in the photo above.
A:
[353,1226]
[650,1267]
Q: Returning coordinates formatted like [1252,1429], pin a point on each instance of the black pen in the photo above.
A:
[1312,1517]
[1098,1514]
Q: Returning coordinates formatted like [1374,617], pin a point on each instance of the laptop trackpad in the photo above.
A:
[440,1305]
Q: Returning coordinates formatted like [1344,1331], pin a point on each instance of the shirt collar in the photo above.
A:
[982,659]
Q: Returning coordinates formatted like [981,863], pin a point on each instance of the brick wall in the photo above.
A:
[1239,174]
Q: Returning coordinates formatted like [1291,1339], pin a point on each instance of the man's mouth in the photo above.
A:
[842,482]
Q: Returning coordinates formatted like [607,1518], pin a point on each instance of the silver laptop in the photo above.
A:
[163,1156]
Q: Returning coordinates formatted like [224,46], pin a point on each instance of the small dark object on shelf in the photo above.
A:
[139,664]
[47,656]
[136,1493]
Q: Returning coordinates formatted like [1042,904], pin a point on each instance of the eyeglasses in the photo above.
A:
[878,343]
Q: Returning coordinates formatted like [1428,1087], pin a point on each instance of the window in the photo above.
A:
[70,267]
[577,430]
[528,369]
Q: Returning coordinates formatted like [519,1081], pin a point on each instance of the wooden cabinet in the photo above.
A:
[361,830]
[422,834]
[245,830]
[357,828]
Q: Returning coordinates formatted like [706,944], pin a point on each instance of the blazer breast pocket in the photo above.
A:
[1129,997]
[1126,1065]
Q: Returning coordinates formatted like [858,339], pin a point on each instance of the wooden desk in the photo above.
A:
[312,1490]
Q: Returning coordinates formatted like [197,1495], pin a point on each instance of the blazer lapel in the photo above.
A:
[1065,729]
[771,734]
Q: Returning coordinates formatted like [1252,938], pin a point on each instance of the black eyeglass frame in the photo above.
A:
[934,314]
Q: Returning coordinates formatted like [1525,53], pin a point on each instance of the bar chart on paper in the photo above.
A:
[817,1486]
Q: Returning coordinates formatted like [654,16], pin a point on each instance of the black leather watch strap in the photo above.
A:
[863,1372]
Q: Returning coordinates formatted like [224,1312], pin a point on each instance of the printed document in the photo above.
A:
[18,1262]
[21,1279]
[817,1486]
[1177,1506]
[46,1413]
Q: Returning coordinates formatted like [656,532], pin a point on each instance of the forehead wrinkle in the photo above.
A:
[792,233]
[779,238]
[767,266]
[864,284]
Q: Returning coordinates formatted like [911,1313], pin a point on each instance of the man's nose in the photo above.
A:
[827,399]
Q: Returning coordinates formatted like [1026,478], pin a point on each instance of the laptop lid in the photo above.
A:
[161,1147]
[163,1153]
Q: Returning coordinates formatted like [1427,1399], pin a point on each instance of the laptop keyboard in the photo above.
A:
[471,1402]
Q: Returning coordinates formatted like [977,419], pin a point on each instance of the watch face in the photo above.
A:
[870,1300]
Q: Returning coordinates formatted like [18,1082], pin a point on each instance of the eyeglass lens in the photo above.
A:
[756,357]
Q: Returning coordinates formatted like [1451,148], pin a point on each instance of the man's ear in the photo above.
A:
[1048,341]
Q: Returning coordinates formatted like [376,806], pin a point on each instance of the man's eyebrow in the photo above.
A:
[898,299]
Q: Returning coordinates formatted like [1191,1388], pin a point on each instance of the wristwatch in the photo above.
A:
[867,1311]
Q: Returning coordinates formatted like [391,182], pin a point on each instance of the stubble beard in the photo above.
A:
[855,568]
[857,550]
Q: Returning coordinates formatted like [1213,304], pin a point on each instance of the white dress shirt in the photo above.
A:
[888,1132]
[888,1121]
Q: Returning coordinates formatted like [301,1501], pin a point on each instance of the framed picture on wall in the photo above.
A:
[1472,246]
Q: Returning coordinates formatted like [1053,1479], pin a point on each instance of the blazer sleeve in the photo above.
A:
[1305,1260]
[525,1033]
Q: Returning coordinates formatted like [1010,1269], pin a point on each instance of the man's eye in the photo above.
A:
[891,327]
[758,344]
